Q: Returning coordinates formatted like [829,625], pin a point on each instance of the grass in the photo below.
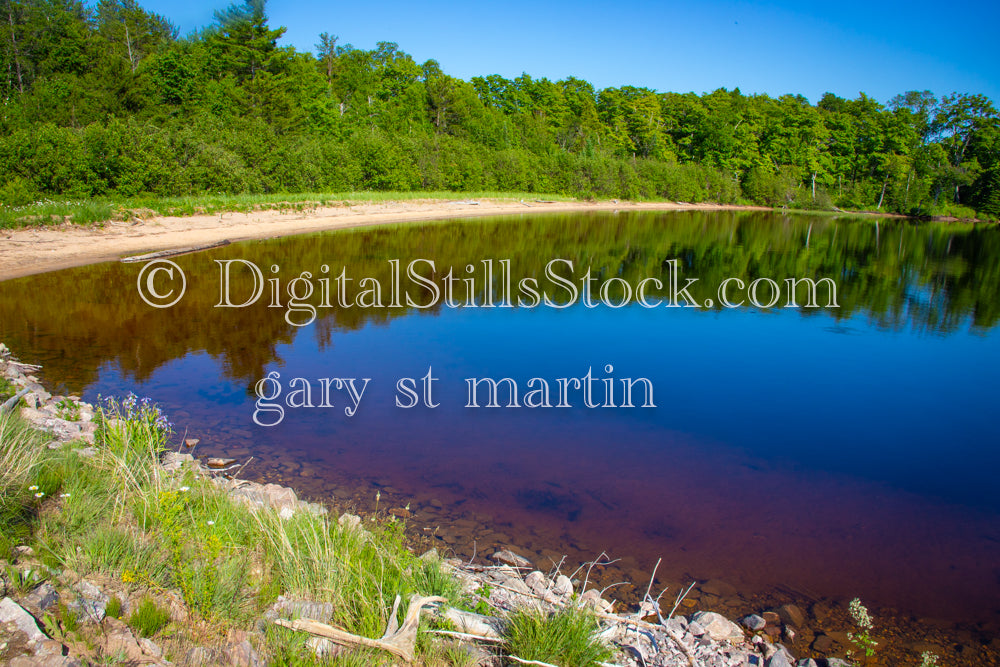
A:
[20,454]
[148,619]
[98,210]
[118,515]
[566,637]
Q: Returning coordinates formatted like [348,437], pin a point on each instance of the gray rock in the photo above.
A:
[718,627]
[508,557]
[807,662]
[779,659]
[150,648]
[695,629]
[90,602]
[43,597]
[837,662]
[537,582]
[12,612]
[243,655]
[349,521]
[753,622]
[279,496]
[564,586]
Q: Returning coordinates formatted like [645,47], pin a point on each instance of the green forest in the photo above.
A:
[109,101]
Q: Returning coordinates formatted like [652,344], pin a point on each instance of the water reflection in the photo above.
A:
[780,436]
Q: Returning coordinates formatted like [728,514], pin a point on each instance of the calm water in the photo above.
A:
[837,452]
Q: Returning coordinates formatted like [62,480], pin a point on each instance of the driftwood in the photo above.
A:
[9,404]
[171,253]
[399,640]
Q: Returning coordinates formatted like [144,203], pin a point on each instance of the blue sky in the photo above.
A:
[775,47]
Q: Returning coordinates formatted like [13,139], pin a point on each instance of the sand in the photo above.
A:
[34,250]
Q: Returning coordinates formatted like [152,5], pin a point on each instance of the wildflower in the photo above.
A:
[39,494]
[128,576]
[210,523]
[64,495]
[33,487]
[185,489]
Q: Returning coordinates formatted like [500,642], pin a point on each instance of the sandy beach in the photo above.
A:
[34,250]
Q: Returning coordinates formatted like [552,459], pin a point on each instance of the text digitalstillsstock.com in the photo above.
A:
[487,284]
[274,397]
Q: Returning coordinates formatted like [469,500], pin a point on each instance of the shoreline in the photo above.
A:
[33,250]
[814,629]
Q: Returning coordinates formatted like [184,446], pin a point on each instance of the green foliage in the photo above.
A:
[148,618]
[105,101]
[565,637]
[114,607]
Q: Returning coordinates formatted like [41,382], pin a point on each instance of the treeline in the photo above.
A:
[109,101]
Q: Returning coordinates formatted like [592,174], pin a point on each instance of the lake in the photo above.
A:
[826,452]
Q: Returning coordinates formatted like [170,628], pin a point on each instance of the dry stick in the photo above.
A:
[530,662]
[466,635]
[401,642]
[680,598]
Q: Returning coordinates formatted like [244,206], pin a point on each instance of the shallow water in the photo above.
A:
[837,452]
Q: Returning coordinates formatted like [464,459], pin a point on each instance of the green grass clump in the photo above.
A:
[114,607]
[148,619]
[566,637]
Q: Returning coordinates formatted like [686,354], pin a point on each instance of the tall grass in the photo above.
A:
[566,637]
[20,453]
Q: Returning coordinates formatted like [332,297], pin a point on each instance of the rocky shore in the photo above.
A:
[503,582]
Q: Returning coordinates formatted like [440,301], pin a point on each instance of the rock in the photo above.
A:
[87,452]
[779,659]
[150,648]
[718,627]
[243,655]
[90,603]
[43,597]
[200,655]
[349,521]
[430,556]
[216,462]
[119,641]
[822,643]
[695,629]
[286,513]
[508,557]
[771,618]
[24,550]
[175,461]
[279,497]
[807,662]
[563,587]
[12,612]
[792,615]
[789,633]
[537,582]
[753,622]
[837,662]
[191,443]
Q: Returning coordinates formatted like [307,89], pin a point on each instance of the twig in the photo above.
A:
[680,598]
[466,635]
[530,662]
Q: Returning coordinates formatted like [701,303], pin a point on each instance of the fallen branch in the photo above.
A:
[172,253]
[466,635]
[400,642]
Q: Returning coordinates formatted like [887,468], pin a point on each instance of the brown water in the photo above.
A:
[820,454]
